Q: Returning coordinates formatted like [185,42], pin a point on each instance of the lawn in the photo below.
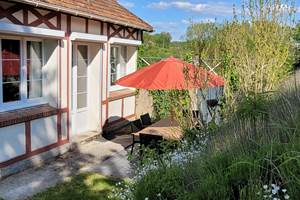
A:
[90,186]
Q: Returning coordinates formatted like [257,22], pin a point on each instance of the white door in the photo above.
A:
[80,78]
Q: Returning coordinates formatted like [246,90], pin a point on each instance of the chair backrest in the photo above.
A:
[136,125]
[146,119]
[185,113]
[150,141]
[196,114]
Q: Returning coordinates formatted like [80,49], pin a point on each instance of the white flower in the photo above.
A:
[159,195]
[275,198]
[265,187]
[284,190]
[286,196]
[146,198]
[275,189]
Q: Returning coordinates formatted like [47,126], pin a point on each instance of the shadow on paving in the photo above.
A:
[100,155]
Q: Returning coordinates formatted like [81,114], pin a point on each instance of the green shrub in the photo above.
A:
[242,159]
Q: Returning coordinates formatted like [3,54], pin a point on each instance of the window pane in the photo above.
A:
[82,60]
[123,62]
[34,89]
[34,69]
[82,84]
[114,62]
[82,67]
[81,100]
[11,70]
[11,92]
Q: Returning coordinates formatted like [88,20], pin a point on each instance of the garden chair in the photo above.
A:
[146,119]
[196,114]
[136,126]
[151,142]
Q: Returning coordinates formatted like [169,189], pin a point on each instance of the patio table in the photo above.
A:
[167,128]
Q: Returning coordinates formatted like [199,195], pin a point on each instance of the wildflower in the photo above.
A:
[284,190]
[265,187]
[146,198]
[286,196]
[275,189]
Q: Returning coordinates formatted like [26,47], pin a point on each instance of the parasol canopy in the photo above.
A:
[171,74]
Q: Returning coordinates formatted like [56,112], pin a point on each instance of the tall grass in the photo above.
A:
[254,155]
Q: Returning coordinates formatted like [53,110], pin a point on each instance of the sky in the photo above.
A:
[174,16]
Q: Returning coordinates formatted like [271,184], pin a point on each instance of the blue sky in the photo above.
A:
[175,15]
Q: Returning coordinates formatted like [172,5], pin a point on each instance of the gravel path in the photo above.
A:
[105,157]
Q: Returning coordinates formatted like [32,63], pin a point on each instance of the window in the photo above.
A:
[82,71]
[34,69]
[118,60]
[11,68]
[21,71]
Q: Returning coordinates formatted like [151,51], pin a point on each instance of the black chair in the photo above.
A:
[146,119]
[196,114]
[212,103]
[185,113]
[136,126]
[151,142]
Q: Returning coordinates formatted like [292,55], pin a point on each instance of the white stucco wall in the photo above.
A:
[12,142]
[129,106]
[94,27]
[106,48]
[131,59]
[114,110]
[94,85]
[43,132]
[64,128]
[64,74]
[50,81]
[78,24]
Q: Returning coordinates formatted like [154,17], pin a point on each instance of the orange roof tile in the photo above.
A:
[105,10]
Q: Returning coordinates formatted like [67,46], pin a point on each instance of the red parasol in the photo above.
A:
[171,74]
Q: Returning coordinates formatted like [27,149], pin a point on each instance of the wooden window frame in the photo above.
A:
[119,67]
[24,101]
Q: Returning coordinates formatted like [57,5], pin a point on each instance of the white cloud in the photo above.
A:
[127,4]
[175,28]
[202,20]
[219,8]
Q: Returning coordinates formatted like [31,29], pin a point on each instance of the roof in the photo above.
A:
[105,10]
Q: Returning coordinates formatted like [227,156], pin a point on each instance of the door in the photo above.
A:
[80,78]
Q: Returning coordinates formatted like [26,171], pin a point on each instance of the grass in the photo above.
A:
[259,146]
[89,186]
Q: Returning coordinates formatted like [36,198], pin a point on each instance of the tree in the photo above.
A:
[256,48]
[199,37]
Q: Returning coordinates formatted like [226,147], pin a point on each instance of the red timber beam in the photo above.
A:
[121,32]
[41,19]
[8,13]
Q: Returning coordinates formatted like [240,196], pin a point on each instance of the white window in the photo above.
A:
[34,70]
[21,63]
[82,76]
[118,61]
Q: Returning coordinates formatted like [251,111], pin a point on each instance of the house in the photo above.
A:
[58,64]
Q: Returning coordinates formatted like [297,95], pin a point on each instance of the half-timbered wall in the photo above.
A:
[28,15]
[33,136]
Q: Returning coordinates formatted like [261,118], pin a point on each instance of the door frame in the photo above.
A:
[74,110]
